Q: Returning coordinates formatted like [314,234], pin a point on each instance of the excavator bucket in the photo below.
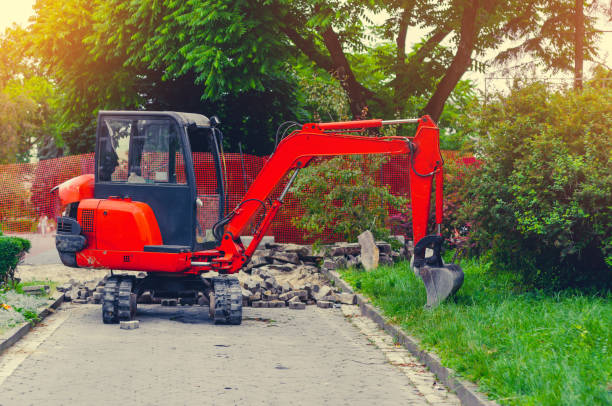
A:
[441,280]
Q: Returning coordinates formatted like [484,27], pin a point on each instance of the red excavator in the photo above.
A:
[141,210]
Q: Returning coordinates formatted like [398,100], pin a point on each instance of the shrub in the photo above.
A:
[340,195]
[543,197]
[12,250]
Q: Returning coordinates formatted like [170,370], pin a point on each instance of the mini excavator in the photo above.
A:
[141,211]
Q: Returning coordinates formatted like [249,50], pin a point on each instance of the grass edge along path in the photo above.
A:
[522,348]
[17,307]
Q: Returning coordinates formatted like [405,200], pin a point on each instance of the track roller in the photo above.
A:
[127,300]
[119,303]
[110,313]
[226,301]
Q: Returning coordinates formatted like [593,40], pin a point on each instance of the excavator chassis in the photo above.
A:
[121,292]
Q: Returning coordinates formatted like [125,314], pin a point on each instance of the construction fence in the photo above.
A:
[26,204]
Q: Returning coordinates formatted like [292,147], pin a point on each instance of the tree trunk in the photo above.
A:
[461,62]
[578,43]
[344,73]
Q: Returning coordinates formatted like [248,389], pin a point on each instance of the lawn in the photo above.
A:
[16,307]
[523,348]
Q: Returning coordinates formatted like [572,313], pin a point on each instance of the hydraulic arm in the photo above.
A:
[327,139]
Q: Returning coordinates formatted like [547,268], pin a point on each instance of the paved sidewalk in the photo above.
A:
[176,357]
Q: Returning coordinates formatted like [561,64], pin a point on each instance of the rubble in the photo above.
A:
[278,275]
[369,250]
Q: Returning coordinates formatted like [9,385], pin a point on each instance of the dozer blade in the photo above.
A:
[440,282]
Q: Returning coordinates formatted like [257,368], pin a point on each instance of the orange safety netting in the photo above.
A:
[26,204]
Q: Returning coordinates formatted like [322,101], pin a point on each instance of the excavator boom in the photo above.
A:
[331,139]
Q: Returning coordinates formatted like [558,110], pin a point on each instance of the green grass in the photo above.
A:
[523,348]
[22,307]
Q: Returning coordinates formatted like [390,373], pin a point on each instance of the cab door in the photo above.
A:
[143,157]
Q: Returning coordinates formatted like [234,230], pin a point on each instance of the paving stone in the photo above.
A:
[329,264]
[302,294]
[246,293]
[369,250]
[65,287]
[129,325]
[384,247]
[301,250]
[255,296]
[276,303]
[269,295]
[346,298]
[340,262]
[36,289]
[290,257]
[281,267]
[345,249]
[322,292]
[257,261]
[297,305]
[324,304]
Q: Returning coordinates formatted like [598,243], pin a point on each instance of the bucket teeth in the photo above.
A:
[440,282]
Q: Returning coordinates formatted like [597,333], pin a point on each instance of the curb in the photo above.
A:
[16,333]
[467,392]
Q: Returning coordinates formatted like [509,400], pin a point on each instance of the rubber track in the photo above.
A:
[228,301]
[109,304]
[123,303]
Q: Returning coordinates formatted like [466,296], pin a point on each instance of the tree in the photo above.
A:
[95,53]
[550,32]
[194,55]
[28,104]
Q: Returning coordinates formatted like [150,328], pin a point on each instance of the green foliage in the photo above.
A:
[231,58]
[158,55]
[340,194]
[522,348]
[12,250]
[543,196]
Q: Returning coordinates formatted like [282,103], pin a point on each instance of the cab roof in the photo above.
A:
[182,118]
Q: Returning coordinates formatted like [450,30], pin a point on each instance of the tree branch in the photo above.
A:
[309,48]
[461,61]
[344,73]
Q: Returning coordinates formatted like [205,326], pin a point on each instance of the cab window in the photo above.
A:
[140,151]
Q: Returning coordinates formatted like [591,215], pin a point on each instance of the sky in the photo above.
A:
[18,11]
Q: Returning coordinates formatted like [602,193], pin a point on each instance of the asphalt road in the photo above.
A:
[178,357]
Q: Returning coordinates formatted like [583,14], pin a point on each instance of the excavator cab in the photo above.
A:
[149,158]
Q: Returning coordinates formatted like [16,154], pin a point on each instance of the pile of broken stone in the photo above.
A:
[294,275]
[83,292]
[280,275]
